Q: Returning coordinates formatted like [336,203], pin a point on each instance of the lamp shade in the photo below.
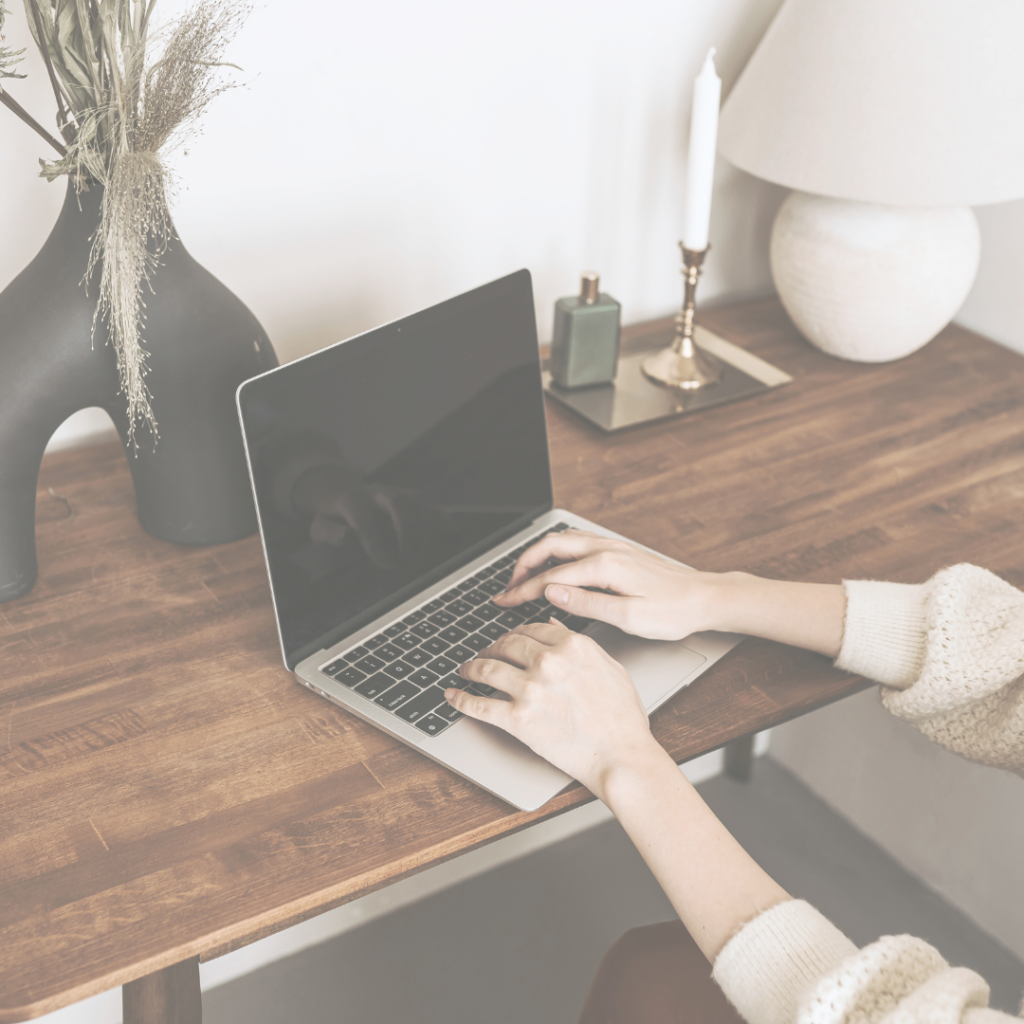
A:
[901,102]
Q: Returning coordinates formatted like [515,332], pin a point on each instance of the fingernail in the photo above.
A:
[556,594]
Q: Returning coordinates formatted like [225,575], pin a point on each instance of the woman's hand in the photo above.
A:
[577,707]
[649,596]
[644,594]
[570,701]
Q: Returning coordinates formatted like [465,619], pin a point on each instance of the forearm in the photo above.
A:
[713,883]
[808,615]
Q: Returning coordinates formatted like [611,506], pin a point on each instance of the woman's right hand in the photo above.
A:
[614,581]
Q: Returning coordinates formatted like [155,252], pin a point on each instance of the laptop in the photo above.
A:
[397,477]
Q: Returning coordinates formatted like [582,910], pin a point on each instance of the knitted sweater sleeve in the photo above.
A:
[949,654]
[950,657]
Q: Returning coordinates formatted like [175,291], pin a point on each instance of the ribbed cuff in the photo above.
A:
[885,630]
[773,960]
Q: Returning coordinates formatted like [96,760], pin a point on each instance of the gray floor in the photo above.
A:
[522,943]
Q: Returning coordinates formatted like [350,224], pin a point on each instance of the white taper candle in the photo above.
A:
[700,173]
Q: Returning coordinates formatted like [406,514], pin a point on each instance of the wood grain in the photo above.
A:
[168,791]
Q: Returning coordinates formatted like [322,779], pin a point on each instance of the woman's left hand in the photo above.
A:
[571,702]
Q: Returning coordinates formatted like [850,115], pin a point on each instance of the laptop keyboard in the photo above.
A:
[406,667]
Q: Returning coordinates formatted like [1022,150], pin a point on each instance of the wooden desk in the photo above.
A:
[168,792]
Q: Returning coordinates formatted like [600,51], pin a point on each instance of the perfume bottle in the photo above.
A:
[585,341]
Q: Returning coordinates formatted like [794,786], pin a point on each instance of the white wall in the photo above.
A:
[386,156]
[995,306]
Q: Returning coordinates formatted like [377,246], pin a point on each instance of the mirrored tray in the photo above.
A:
[633,400]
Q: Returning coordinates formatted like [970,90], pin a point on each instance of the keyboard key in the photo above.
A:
[356,653]
[491,587]
[450,595]
[453,681]
[459,608]
[504,576]
[481,689]
[397,695]
[527,608]
[501,563]
[475,597]
[484,573]
[442,618]
[374,642]
[459,654]
[432,725]
[509,619]
[477,642]
[417,657]
[453,634]
[424,629]
[388,652]
[338,665]
[421,705]
[414,617]
[470,623]
[442,666]
[577,623]
[488,612]
[560,613]
[467,585]
[447,712]
[424,677]
[406,641]
[493,630]
[396,630]
[349,675]
[435,645]
[399,669]
[434,606]
[375,685]
[370,664]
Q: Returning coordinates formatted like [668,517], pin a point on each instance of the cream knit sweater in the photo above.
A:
[949,654]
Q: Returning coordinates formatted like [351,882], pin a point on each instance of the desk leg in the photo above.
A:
[738,757]
[170,996]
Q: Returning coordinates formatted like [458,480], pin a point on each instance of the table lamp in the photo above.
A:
[890,119]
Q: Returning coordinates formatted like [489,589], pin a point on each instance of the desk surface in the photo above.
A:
[168,790]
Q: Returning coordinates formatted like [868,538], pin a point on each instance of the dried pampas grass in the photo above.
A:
[8,57]
[117,110]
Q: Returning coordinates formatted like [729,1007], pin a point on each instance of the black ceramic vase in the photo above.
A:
[192,487]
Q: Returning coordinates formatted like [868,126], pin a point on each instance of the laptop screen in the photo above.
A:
[383,463]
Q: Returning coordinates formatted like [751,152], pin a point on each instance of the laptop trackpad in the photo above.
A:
[657,667]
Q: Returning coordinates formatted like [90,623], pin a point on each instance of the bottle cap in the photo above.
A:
[590,287]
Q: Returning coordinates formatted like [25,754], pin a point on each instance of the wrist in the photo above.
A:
[729,600]
[622,784]
[808,615]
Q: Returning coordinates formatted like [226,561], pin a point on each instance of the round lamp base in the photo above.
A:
[872,283]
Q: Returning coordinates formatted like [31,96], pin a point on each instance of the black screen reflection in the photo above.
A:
[381,461]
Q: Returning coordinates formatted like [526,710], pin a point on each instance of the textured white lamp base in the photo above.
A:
[872,283]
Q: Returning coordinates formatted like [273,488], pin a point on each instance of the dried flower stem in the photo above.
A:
[62,114]
[9,101]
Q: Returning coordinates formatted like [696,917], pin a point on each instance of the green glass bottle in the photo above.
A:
[585,340]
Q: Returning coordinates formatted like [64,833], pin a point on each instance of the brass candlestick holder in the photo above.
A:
[683,365]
